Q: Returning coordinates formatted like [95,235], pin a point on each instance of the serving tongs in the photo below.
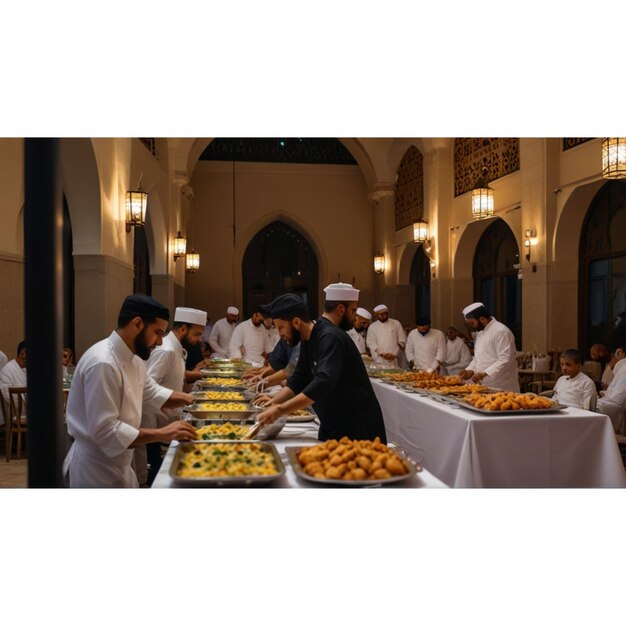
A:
[251,434]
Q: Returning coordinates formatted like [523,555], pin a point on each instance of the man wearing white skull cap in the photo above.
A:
[166,366]
[494,361]
[358,332]
[330,373]
[385,338]
[222,332]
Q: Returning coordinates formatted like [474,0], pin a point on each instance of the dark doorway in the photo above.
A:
[496,282]
[420,279]
[68,279]
[142,282]
[278,260]
[602,291]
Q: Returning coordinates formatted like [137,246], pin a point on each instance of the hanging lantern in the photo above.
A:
[192,261]
[482,198]
[420,231]
[180,246]
[379,263]
[136,204]
[614,157]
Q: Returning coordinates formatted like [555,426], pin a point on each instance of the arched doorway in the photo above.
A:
[277,260]
[602,291]
[68,279]
[420,279]
[496,282]
[142,281]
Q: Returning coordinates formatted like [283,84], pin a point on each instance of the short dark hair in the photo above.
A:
[125,319]
[21,346]
[177,325]
[573,354]
[452,328]
[331,305]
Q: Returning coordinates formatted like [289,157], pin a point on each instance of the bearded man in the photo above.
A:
[494,361]
[109,387]
[330,374]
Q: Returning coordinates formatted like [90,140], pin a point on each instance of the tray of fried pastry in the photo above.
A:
[506,403]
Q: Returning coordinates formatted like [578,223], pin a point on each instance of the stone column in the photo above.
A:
[382,199]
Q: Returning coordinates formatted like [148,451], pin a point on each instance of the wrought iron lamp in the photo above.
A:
[482,198]
[379,263]
[192,261]
[180,246]
[136,204]
[614,157]
[420,231]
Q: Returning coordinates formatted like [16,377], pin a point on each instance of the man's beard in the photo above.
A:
[294,340]
[142,348]
[185,344]
[345,323]
[423,332]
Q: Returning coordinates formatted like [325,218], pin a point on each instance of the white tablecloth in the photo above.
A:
[290,479]
[571,448]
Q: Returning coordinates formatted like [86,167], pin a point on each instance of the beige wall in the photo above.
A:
[326,203]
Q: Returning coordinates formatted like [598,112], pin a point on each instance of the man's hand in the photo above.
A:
[179,430]
[262,400]
[177,400]
[200,365]
[270,414]
[478,376]
[465,374]
[252,373]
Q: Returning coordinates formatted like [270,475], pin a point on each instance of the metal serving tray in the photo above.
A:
[225,481]
[212,386]
[309,417]
[222,373]
[202,397]
[222,415]
[292,455]
[270,431]
[510,413]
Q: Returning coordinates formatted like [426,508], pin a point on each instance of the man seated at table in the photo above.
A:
[574,388]
[612,402]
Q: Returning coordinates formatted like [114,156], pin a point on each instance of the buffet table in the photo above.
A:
[290,479]
[569,448]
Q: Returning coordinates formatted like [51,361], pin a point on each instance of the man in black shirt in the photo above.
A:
[330,371]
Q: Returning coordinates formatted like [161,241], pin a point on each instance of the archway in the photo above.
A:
[279,259]
[602,267]
[496,282]
[420,279]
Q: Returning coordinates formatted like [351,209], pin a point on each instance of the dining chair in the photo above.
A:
[17,419]
[5,423]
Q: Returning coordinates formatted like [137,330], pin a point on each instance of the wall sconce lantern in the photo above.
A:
[379,263]
[482,198]
[614,157]
[136,203]
[530,239]
[420,231]
[192,261]
[180,246]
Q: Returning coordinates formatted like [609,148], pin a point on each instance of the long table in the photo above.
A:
[290,479]
[569,448]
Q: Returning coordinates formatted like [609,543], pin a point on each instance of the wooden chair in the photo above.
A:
[17,423]
[4,427]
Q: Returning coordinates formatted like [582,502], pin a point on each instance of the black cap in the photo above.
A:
[286,307]
[423,321]
[144,306]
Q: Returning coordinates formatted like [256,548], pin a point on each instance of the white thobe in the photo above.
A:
[249,342]
[607,376]
[426,351]
[359,340]
[458,356]
[3,360]
[104,408]
[12,375]
[273,337]
[577,391]
[613,402]
[220,336]
[385,337]
[494,354]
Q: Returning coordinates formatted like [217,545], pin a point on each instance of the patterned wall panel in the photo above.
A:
[409,189]
[572,142]
[500,155]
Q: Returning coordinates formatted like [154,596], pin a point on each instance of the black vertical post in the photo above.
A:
[43,302]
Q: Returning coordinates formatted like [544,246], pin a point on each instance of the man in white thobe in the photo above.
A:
[166,366]
[250,341]
[272,333]
[109,387]
[358,332]
[3,360]
[458,356]
[494,362]
[574,388]
[613,401]
[425,346]
[13,374]
[223,329]
[385,338]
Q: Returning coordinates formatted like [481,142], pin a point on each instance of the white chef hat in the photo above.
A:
[341,292]
[380,308]
[472,307]
[190,316]
[232,310]
[364,313]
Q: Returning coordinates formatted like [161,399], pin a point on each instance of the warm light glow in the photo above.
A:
[482,198]
[379,263]
[420,231]
[614,157]
[136,204]
[192,261]
[180,246]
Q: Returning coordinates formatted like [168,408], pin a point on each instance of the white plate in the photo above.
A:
[292,433]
